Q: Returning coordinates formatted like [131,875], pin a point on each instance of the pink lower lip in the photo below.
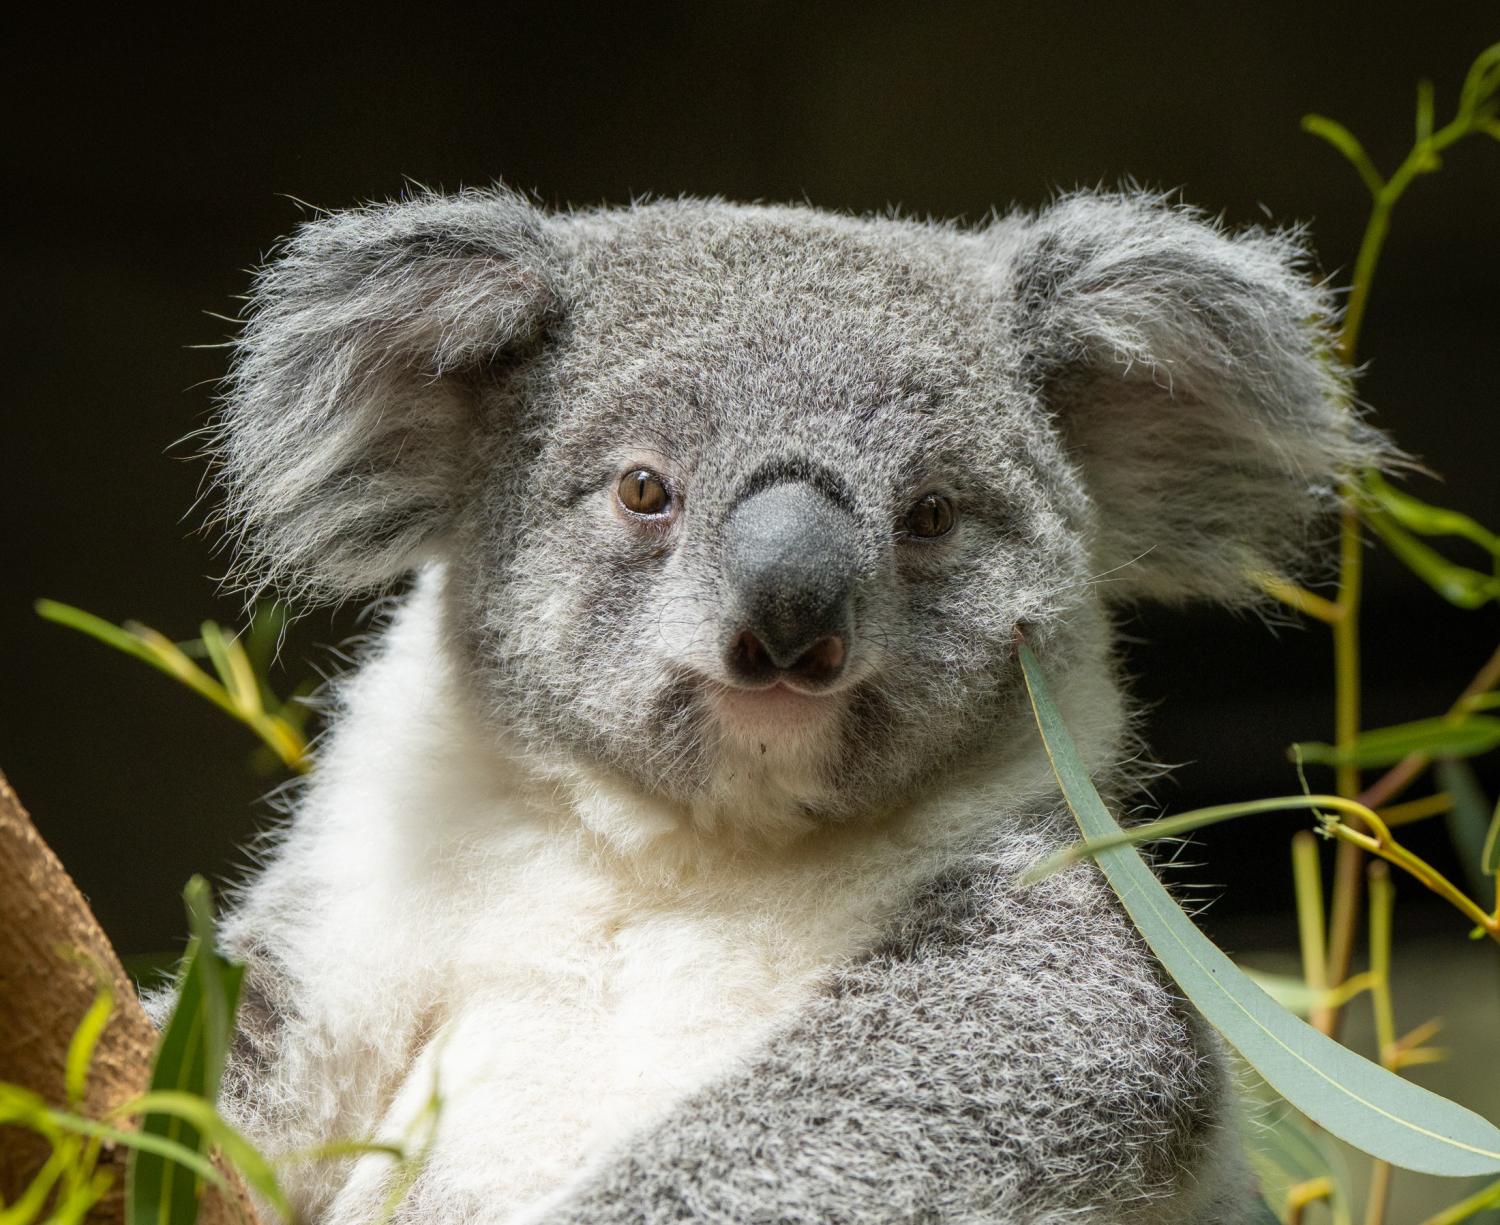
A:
[778,703]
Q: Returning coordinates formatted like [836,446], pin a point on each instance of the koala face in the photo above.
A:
[756,523]
[745,505]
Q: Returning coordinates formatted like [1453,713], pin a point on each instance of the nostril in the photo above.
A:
[748,657]
[822,661]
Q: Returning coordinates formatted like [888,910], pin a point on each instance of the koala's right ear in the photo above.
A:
[346,418]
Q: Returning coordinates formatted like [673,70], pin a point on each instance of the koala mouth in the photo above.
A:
[777,712]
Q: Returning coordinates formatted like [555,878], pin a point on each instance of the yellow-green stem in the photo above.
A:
[1380,1193]
[1348,864]
[1382,904]
[1307,875]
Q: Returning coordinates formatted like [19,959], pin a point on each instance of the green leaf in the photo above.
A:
[1358,1101]
[1342,139]
[1384,746]
[1425,519]
[1491,861]
[203,1119]
[189,1060]
[1288,990]
[1472,828]
[1482,81]
[86,1038]
[1459,585]
[237,691]
[144,644]
[1169,827]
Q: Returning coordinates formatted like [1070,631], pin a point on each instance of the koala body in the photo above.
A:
[670,830]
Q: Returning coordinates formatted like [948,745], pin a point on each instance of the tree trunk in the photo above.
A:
[45,989]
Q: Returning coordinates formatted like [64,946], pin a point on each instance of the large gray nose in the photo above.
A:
[790,555]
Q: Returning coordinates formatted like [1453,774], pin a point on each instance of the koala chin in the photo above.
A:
[669,831]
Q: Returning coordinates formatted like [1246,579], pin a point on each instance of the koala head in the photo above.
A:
[745,505]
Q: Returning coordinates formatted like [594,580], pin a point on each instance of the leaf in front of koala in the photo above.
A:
[201,1116]
[1354,1099]
[1384,746]
[189,1060]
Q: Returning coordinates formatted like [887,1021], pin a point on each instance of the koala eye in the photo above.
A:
[931,515]
[642,492]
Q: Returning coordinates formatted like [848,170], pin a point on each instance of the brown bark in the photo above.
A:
[45,989]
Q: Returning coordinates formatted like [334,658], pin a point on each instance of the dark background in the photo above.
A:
[157,161]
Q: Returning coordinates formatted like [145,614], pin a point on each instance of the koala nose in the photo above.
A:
[790,557]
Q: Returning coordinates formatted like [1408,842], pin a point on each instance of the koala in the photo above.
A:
[662,861]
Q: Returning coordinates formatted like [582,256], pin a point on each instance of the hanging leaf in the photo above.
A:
[1459,585]
[1425,519]
[1356,1100]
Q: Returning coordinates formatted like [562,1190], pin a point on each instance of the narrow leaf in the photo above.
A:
[1459,585]
[201,1116]
[1425,519]
[1171,827]
[86,1038]
[158,1190]
[1342,139]
[1471,827]
[1440,737]
[1491,861]
[1288,990]
[1358,1101]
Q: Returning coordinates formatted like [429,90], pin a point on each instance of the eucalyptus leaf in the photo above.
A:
[1425,519]
[1354,1099]
[1384,746]
[1342,139]
[1459,585]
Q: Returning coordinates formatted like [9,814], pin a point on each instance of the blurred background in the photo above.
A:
[156,161]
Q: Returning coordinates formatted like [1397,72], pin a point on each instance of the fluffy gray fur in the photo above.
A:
[1124,400]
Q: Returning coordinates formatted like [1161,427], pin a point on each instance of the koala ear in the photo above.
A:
[346,417]
[1193,377]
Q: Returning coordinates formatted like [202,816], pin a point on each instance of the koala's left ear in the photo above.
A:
[1192,375]
[348,413]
